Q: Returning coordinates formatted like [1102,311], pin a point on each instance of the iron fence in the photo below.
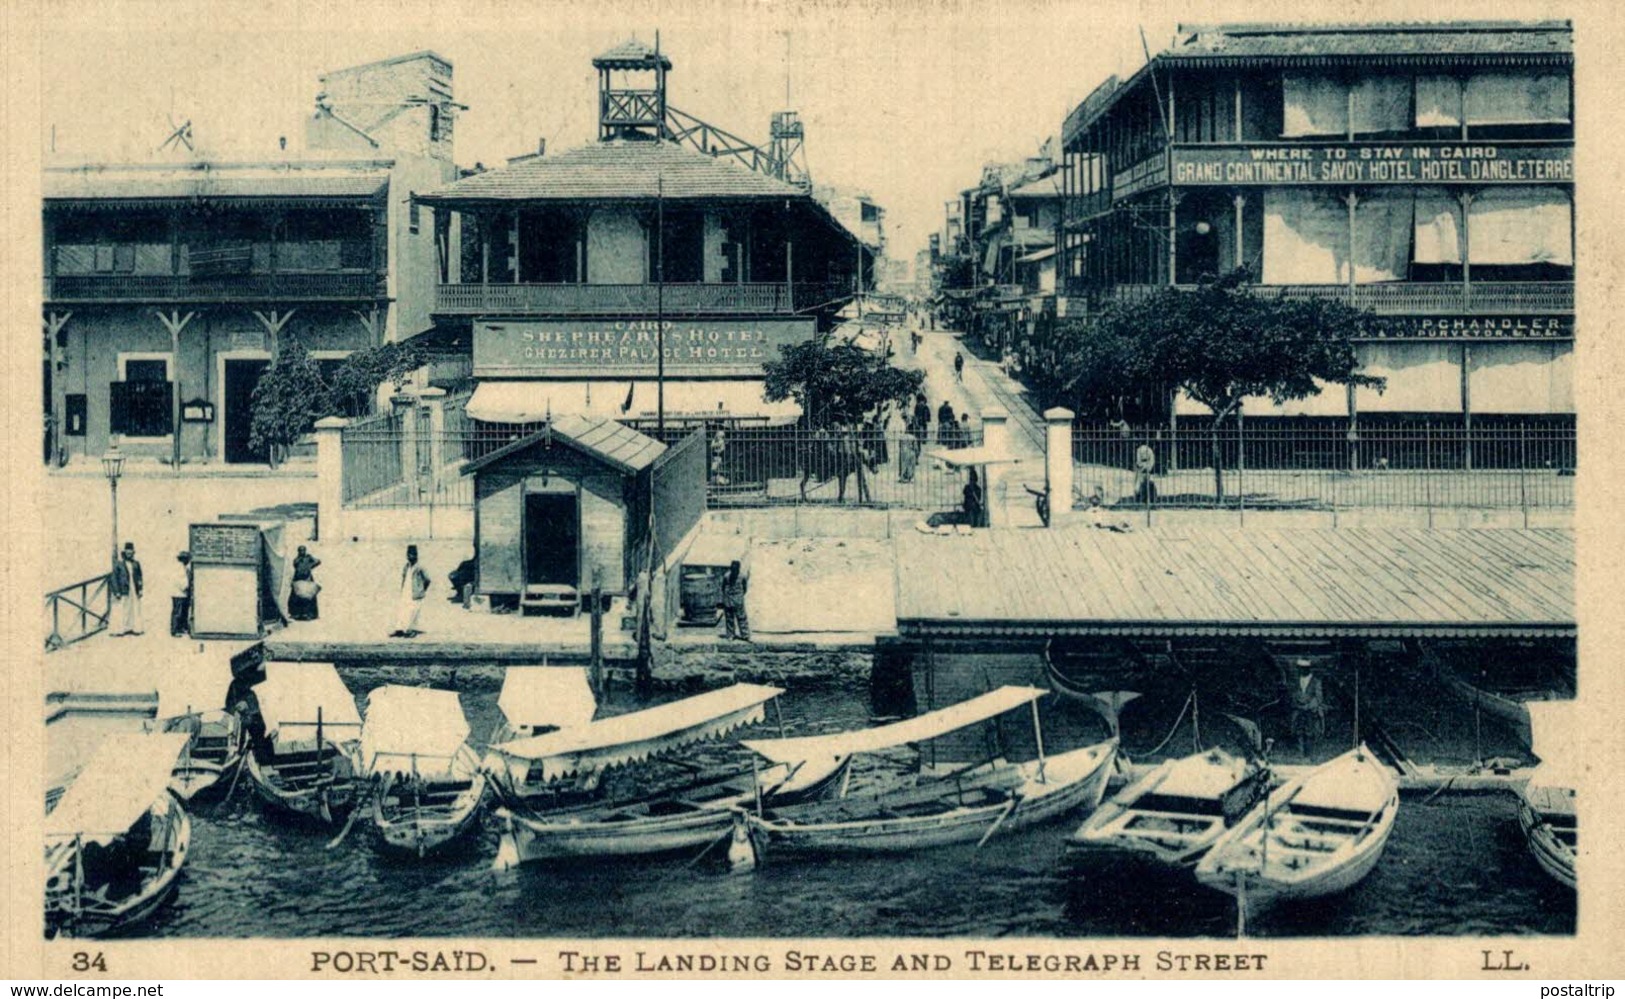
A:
[1330,468]
[398,464]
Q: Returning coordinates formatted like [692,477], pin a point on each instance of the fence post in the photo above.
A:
[330,477]
[1523,473]
[1427,473]
[403,409]
[1058,463]
[1241,467]
[434,398]
[996,440]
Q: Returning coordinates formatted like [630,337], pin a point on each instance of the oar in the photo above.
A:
[1015,799]
[232,787]
[355,813]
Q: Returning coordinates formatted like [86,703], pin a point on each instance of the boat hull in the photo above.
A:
[202,768]
[1071,780]
[1141,824]
[1327,864]
[682,825]
[329,801]
[107,919]
[1554,856]
[414,830]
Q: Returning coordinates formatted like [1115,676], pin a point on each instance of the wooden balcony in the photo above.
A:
[1416,298]
[143,288]
[636,299]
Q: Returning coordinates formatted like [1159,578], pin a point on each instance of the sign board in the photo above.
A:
[1473,328]
[225,544]
[1374,163]
[629,347]
[197,411]
[248,340]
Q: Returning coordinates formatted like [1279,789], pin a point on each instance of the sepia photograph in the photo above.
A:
[827,473]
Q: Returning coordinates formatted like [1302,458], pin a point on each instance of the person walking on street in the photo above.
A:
[921,420]
[946,423]
[959,366]
[180,605]
[908,454]
[302,604]
[736,623]
[126,586]
[963,436]
[409,604]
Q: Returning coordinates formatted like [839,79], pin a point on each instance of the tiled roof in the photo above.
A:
[213,181]
[618,169]
[630,54]
[615,444]
[1375,39]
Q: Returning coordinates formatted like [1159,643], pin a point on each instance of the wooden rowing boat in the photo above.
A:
[1546,812]
[1316,835]
[968,805]
[116,842]
[214,750]
[664,820]
[426,785]
[307,761]
[1174,814]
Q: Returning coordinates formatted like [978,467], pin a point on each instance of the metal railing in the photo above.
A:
[1411,297]
[1250,468]
[221,287]
[637,299]
[76,612]
[746,466]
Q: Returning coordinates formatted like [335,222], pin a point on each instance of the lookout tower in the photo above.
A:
[632,92]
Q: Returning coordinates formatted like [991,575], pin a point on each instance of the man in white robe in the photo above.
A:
[414,584]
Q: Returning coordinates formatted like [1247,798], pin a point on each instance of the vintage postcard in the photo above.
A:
[952,489]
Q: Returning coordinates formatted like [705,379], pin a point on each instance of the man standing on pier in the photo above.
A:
[126,586]
[1308,697]
[414,584]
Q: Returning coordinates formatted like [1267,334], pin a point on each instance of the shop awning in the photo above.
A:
[531,401]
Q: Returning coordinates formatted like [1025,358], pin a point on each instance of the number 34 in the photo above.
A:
[89,962]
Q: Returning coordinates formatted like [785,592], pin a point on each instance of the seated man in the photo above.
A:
[463,575]
[1102,518]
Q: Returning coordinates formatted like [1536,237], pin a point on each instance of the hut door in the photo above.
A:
[552,539]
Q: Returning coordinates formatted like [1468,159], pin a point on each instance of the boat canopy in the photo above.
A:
[628,738]
[128,773]
[547,695]
[920,728]
[412,729]
[191,682]
[1552,727]
[291,695]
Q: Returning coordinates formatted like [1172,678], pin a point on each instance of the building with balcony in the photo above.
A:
[587,279]
[169,286]
[1422,171]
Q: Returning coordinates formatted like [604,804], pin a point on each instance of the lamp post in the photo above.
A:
[113,466]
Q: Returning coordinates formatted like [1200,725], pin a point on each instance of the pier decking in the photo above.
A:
[1188,581]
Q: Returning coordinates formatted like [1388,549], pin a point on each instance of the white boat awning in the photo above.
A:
[559,696]
[629,738]
[292,695]
[119,784]
[532,401]
[920,728]
[411,729]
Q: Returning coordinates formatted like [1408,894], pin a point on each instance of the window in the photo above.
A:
[871,213]
[414,216]
[434,126]
[139,405]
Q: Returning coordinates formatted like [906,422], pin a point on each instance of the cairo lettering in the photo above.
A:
[1374,164]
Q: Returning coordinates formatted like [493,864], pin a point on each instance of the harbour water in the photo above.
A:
[1456,864]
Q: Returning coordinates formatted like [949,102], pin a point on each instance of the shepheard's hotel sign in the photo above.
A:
[627,347]
[1374,163]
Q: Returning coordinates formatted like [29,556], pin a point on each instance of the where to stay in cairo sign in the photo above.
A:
[1375,163]
[630,347]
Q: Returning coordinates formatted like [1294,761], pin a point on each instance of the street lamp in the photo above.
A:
[113,466]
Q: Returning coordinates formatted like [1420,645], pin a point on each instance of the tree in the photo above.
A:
[358,378]
[1220,343]
[842,390]
[287,401]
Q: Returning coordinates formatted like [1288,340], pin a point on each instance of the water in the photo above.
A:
[1456,865]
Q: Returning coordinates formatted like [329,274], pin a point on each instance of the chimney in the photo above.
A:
[541,146]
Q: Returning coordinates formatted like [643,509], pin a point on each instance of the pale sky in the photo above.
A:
[907,102]
[906,99]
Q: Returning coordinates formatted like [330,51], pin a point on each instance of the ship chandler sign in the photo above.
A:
[1374,163]
[631,347]
[1472,328]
